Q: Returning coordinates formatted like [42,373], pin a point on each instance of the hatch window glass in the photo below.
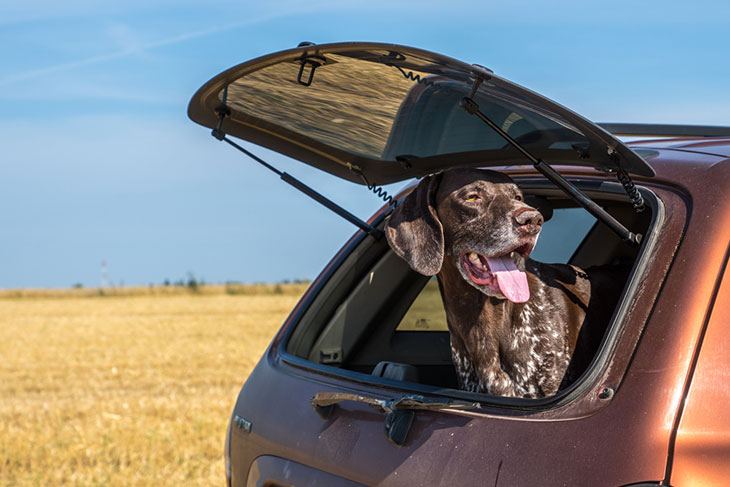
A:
[379,110]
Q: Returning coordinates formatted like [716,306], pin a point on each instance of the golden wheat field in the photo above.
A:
[133,388]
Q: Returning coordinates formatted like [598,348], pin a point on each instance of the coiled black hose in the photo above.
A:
[637,201]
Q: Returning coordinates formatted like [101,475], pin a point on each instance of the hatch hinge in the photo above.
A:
[223,111]
[472,107]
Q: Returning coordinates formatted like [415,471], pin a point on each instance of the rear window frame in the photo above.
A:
[600,189]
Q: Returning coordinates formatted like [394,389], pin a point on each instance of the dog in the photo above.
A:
[518,327]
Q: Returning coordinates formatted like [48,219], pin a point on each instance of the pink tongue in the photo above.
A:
[512,281]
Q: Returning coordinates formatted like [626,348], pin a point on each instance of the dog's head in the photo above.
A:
[476,218]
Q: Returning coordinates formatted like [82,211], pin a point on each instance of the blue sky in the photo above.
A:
[99,161]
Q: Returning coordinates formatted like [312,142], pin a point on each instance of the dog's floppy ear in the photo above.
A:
[414,231]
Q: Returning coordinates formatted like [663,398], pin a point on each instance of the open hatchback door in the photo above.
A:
[381,113]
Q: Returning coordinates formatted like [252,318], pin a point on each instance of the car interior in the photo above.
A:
[378,317]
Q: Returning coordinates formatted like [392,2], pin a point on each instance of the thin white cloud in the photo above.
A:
[124,37]
[140,48]
[30,11]
[87,90]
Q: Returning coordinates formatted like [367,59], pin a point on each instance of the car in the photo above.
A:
[358,386]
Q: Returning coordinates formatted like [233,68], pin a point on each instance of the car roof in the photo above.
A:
[718,146]
[674,161]
[674,164]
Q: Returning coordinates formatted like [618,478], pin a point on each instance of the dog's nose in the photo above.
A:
[528,219]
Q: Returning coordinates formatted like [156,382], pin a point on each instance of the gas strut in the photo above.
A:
[555,177]
[223,111]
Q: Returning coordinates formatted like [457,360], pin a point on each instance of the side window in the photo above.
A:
[559,239]
[427,311]
[562,234]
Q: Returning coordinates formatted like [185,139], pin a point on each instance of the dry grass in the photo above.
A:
[427,311]
[126,390]
[208,289]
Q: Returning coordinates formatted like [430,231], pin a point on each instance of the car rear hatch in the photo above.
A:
[382,113]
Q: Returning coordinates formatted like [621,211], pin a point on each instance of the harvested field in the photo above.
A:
[130,389]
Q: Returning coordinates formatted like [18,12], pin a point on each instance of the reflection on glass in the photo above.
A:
[380,110]
[350,105]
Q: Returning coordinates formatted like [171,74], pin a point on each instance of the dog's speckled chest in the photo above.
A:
[517,350]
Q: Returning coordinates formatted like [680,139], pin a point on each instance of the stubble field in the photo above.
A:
[131,389]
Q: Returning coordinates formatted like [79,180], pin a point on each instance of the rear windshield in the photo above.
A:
[381,111]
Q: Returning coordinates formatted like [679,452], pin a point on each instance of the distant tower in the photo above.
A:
[104,274]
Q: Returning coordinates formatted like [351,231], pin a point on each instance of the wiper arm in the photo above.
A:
[399,412]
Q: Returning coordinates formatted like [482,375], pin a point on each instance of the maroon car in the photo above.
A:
[358,387]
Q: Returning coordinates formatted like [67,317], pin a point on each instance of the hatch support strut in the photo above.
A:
[223,111]
[555,177]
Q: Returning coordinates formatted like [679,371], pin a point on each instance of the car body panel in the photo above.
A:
[267,471]
[718,146]
[342,118]
[702,449]
[615,441]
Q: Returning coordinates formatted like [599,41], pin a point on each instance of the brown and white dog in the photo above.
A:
[518,327]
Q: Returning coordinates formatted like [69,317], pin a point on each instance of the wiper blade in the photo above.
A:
[399,412]
[406,401]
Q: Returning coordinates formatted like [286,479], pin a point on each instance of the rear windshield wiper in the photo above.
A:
[399,412]
[406,401]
